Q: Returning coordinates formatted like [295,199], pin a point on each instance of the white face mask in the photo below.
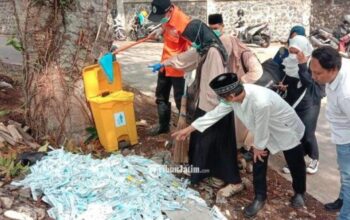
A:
[291,62]
[291,67]
[293,56]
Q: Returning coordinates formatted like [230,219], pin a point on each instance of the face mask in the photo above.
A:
[164,20]
[195,45]
[222,100]
[293,56]
[291,67]
[217,32]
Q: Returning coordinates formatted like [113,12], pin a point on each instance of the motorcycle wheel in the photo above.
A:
[132,35]
[265,41]
[121,35]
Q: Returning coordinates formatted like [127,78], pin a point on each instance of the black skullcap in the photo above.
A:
[215,19]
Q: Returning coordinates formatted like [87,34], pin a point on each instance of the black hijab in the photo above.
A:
[198,32]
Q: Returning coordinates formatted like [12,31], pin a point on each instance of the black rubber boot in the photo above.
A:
[253,208]
[164,113]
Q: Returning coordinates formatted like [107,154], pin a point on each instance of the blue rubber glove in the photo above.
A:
[156,67]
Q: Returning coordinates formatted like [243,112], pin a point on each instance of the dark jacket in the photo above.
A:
[296,87]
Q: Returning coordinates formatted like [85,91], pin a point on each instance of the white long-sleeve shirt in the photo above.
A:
[273,122]
[338,105]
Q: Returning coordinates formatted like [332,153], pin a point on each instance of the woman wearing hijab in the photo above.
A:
[283,51]
[214,151]
[303,94]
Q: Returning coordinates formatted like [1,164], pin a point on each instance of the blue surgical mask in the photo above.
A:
[217,33]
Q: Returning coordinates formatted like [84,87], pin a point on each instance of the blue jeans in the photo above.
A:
[343,154]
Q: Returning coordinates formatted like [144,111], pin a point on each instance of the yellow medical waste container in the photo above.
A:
[112,108]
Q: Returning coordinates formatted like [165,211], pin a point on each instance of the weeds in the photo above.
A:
[93,136]
[9,168]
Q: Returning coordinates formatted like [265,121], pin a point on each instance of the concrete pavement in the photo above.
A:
[8,54]
[324,185]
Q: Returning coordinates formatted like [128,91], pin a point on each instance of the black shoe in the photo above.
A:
[298,200]
[252,209]
[334,206]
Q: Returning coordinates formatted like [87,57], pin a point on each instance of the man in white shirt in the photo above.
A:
[329,68]
[274,124]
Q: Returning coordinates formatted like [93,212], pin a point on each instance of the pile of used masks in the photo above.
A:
[80,187]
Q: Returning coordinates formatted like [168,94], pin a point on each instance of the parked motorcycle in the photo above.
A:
[253,34]
[118,30]
[338,39]
[139,31]
[323,37]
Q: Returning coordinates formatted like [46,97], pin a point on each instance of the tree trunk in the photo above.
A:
[60,38]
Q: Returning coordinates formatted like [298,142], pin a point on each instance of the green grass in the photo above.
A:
[10,169]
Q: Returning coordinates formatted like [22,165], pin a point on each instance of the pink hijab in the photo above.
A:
[234,48]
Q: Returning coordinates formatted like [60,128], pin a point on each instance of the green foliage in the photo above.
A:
[15,43]
[93,136]
[10,169]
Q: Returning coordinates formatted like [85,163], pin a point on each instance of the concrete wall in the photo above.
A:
[328,13]
[193,8]
[8,24]
[10,59]
[280,14]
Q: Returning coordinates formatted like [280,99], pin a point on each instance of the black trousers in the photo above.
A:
[164,85]
[309,117]
[296,164]
[214,151]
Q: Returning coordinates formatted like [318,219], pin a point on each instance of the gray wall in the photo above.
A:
[193,8]
[280,14]
[328,13]
[8,24]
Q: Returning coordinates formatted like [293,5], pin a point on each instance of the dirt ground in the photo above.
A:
[280,190]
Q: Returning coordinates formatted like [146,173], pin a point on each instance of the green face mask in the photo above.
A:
[217,32]
[164,20]
[195,45]
[222,100]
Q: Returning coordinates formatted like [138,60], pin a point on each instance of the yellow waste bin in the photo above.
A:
[112,108]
